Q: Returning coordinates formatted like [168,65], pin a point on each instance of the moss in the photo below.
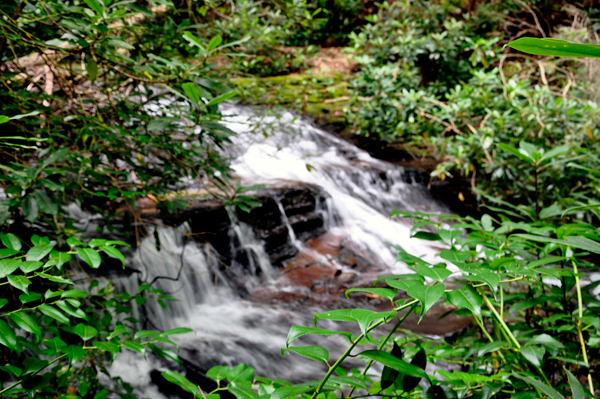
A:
[323,97]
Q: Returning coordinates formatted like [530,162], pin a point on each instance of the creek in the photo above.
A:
[243,279]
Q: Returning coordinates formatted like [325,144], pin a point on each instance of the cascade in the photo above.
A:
[317,186]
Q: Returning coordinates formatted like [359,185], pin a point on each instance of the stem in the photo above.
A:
[580,312]
[385,341]
[501,321]
[487,334]
[349,350]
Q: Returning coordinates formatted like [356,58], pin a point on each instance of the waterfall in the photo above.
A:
[213,277]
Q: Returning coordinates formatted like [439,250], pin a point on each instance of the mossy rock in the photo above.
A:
[323,97]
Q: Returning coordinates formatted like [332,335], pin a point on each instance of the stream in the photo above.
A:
[243,279]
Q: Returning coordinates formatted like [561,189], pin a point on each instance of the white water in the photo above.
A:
[229,330]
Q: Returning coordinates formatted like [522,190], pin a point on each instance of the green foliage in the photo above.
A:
[440,85]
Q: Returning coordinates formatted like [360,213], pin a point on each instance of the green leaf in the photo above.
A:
[382,292]
[176,331]
[45,203]
[419,360]
[56,279]
[84,331]
[114,253]
[576,388]
[30,208]
[425,235]
[11,369]
[180,381]
[4,119]
[394,363]
[38,252]
[435,273]
[533,354]
[214,43]
[365,317]
[7,336]
[54,313]
[118,43]
[70,310]
[551,211]
[33,364]
[466,298]
[454,256]
[110,347]
[90,256]
[92,68]
[555,47]
[6,252]
[193,40]
[101,394]
[11,241]
[310,352]
[427,294]
[164,353]
[298,331]
[221,98]
[24,321]
[490,278]
[571,241]
[28,266]
[74,353]
[337,315]
[119,330]
[3,302]
[8,266]
[218,373]
[144,334]
[74,294]
[286,392]
[516,153]
[19,282]
[31,297]
[389,375]
[546,389]
[94,5]
[403,284]
[192,91]
[134,346]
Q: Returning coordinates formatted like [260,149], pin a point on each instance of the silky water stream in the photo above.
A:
[240,298]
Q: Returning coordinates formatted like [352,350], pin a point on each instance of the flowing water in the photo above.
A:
[359,193]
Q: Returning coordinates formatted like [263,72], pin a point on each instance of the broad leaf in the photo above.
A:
[555,47]
[427,294]
[419,360]
[84,331]
[38,252]
[466,298]
[90,256]
[397,364]
[298,331]
[7,336]
[435,273]
[546,389]
[337,315]
[74,352]
[25,321]
[310,352]
[19,282]
[576,388]
[180,381]
[54,313]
